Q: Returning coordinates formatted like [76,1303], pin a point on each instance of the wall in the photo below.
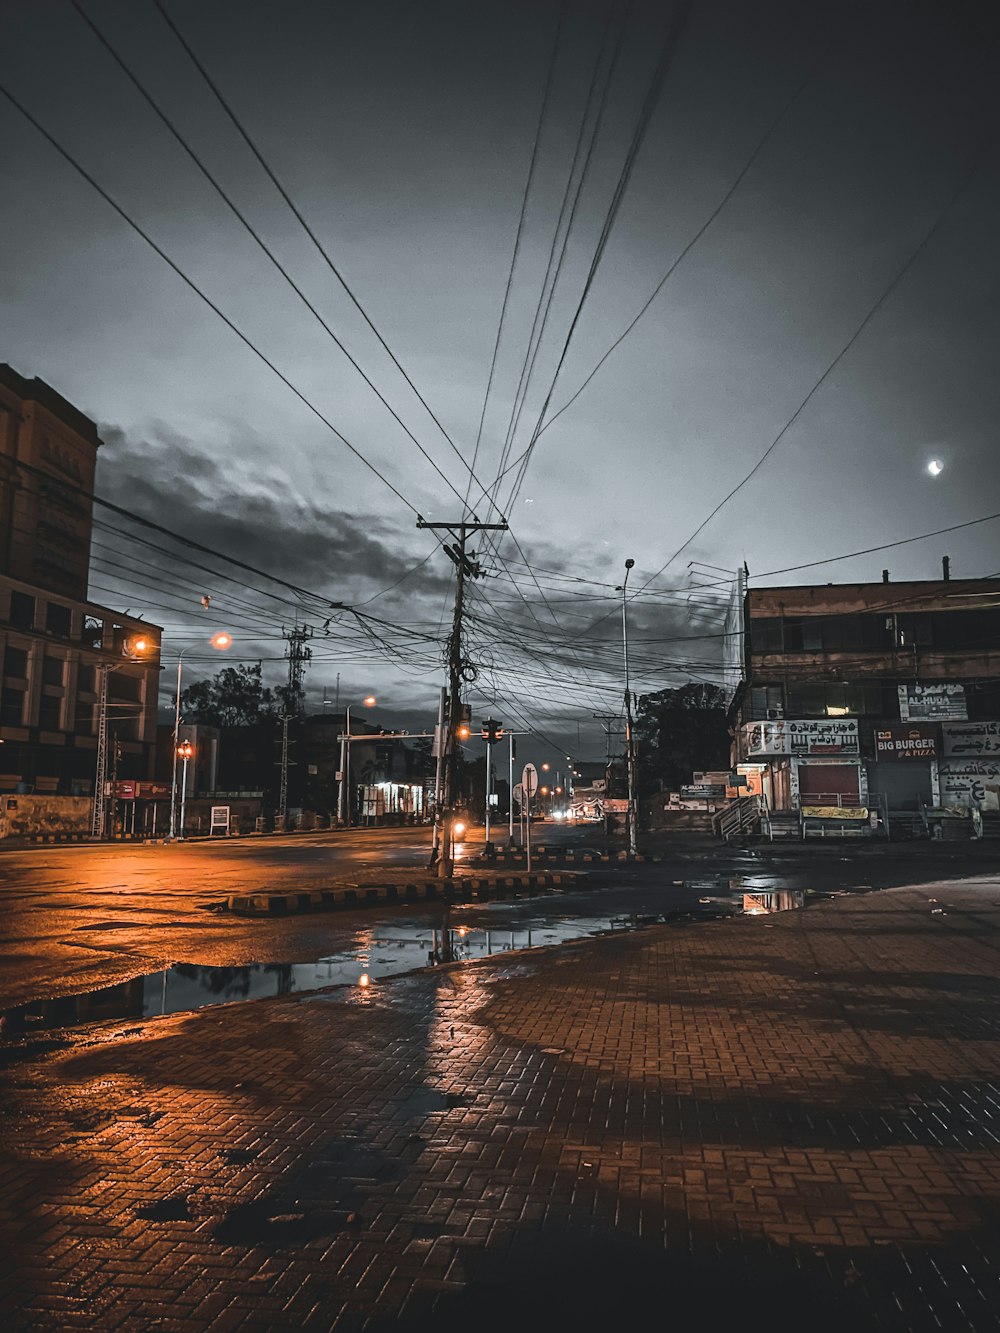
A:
[24,815]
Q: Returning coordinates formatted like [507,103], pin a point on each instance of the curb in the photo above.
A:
[476,887]
[570,858]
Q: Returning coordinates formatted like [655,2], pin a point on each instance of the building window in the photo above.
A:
[58,620]
[15,663]
[93,631]
[52,670]
[11,707]
[85,679]
[766,636]
[83,720]
[22,610]
[50,713]
[766,701]
[121,686]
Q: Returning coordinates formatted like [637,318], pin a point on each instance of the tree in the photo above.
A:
[680,731]
[234,697]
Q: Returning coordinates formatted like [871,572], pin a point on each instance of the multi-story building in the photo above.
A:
[882,695]
[57,649]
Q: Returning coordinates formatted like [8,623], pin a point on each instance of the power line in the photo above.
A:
[144,93]
[302,221]
[189,282]
[741,176]
[517,239]
[872,312]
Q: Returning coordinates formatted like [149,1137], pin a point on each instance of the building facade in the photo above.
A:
[881,696]
[67,663]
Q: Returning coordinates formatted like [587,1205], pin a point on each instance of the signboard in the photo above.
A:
[834,812]
[703,791]
[970,782]
[529,779]
[220,819]
[916,740]
[749,781]
[615,806]
[518,792]
[942,701]
[152,791]
[125,790]
[806,737]
[971,738]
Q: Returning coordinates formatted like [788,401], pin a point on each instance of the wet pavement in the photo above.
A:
[433,937]
[765,1119]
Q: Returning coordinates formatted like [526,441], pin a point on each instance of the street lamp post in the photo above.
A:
[184,751]
[344,795]
[219,641]
[629,738]
[135,650]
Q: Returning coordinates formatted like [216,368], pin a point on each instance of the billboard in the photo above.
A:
[916,740]
[971,782]
[944,700]
[831,736]
[971,738]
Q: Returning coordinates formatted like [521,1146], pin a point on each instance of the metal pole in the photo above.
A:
[629,744]
[347,771]
[184,787]
[490,756]
[510,786]
[283,791]
[439,738]
[177,741]
[101,773]
[343,772]
[527,823]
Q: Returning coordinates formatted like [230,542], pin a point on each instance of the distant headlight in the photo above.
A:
[459,829]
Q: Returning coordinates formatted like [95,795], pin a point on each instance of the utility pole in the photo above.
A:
[101,775]
[298,654]
[283,789]
[459,670]
[610,723]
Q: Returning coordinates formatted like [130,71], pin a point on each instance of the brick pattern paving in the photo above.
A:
[783,1121]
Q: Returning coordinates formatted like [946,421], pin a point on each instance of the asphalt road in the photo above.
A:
[79,917]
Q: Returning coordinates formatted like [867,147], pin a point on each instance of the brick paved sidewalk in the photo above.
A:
[784,1122]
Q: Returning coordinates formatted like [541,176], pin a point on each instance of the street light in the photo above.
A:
[221,640]
[135,649]
[184,751]
[344,795]
[629,740]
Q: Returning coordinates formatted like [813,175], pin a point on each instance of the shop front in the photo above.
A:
[812,762]
[905,768]
[969,771]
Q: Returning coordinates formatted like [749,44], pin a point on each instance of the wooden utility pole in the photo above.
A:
[459,670]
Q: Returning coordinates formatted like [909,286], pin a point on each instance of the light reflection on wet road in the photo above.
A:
[434,936]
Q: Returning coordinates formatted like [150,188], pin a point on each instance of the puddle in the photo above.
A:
[383,951]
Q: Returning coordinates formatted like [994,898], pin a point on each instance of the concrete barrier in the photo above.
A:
[347,896]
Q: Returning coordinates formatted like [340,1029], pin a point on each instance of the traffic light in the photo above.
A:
[463,725]
[491,730]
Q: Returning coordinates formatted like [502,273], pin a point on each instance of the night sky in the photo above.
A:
[822,180]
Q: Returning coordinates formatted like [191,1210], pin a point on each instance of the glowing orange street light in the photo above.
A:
[220,640]
[344,792]
[184,752]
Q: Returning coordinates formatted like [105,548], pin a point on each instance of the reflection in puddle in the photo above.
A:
[382,951]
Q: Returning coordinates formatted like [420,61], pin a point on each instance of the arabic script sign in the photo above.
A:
[914,740]
[806,737]
[932,703]
[971,738]
[970,782]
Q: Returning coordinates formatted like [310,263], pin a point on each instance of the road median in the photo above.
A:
[464,888]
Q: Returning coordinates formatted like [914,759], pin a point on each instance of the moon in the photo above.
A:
[935,467]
